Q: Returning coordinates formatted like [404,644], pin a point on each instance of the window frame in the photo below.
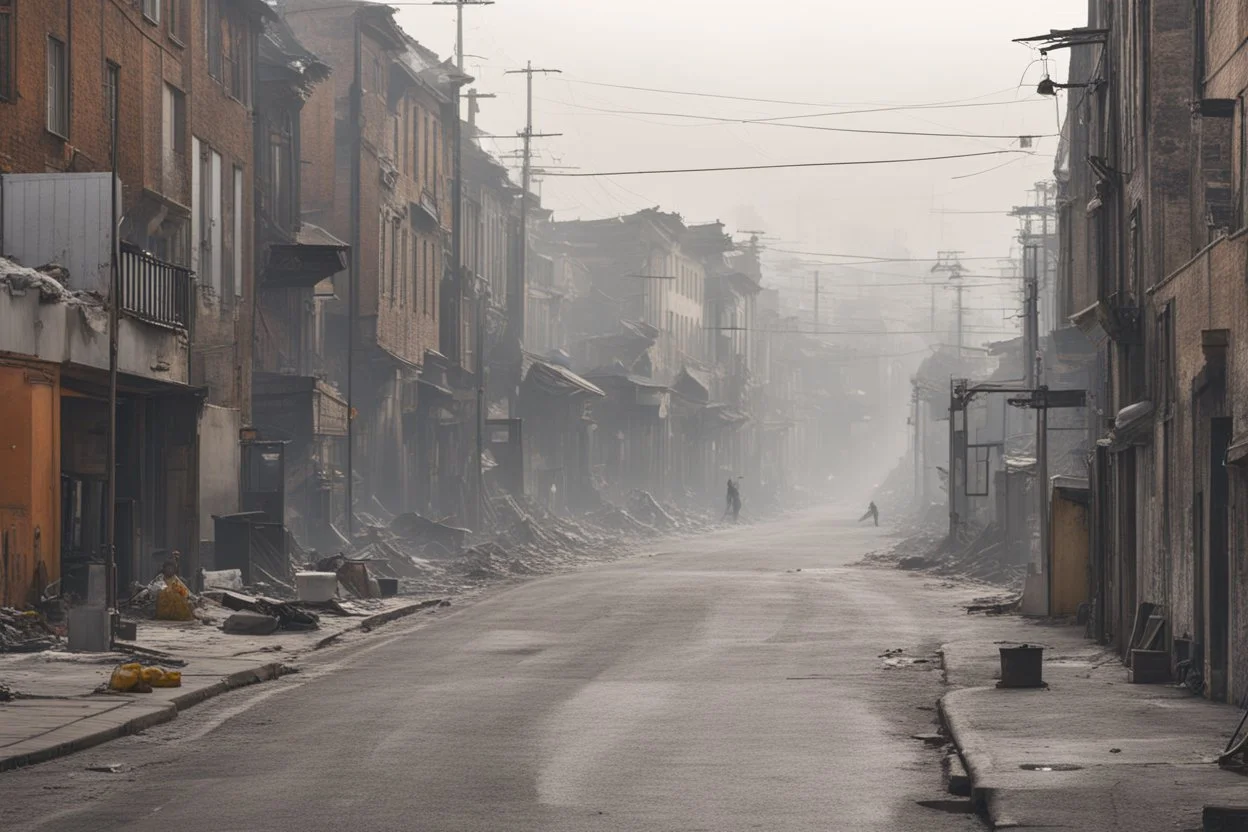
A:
[179,120]
[176,20]
[213,39]
[150,9]
[112,100]
[59,130]
[8,58]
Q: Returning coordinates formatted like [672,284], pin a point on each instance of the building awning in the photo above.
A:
[1237,453]
[553,380]
[314,256]
[723,416]
[693,384]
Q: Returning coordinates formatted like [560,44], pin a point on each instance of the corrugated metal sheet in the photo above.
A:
[58,218]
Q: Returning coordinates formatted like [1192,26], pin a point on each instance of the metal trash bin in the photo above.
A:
[1022,666]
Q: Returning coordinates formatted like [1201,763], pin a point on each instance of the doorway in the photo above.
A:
[1218,576]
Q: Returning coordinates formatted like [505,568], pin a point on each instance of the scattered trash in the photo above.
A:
[251,624]
[107,768]
[173,600]
[288,615]
[25,631]
[1049,767]
[134,677]
[223,579]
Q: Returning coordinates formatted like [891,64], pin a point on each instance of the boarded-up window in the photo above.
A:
[58,87]
[8,38]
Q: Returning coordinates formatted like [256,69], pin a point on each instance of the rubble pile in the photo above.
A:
[436,557]
[25,631]
[928,548]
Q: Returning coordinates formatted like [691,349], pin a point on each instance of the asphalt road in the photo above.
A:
[729,682]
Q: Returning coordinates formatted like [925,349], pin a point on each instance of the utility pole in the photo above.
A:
[947,262]
[457,253]
[516,298]
[114,320]
[918,467]
[816,301]
[353,275]
[482,311]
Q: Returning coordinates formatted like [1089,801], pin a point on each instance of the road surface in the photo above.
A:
[733,681]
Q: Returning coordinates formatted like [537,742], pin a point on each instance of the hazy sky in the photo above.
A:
[827,54]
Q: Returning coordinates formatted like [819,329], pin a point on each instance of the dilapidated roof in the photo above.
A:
[554,380]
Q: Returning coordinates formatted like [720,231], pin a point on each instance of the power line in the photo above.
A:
[769,123]
[757,100]
[870,258]
[796,165]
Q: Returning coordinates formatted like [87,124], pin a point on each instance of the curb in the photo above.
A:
[984,798]
[158,715]
[366,625]
[167,712]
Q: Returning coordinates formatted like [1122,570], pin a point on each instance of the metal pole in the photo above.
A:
[478,475]
[959,291]
[1042,477]
[525,182]
[816,301]
[1031,324]
[114,321]
[918,469]
[953,475]
[354,273]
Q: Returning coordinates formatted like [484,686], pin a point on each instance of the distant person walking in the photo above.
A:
[873,512]
[734,501]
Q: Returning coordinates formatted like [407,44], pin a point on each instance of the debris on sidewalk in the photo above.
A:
[286,615]
[25,631]
[136,678]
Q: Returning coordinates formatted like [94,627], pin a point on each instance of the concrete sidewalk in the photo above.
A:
[59,708]
[1090,751]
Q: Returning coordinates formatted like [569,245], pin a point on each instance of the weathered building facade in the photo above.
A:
[1152,267]
[84,74]
[376,136]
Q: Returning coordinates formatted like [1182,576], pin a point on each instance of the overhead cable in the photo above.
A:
[857,162]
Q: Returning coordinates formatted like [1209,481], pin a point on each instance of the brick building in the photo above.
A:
[375,174]
[1152,265]
[174,79]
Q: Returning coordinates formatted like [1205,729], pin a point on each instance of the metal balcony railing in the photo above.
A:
[154,290]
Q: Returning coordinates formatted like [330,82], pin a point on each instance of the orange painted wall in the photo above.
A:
[30,464]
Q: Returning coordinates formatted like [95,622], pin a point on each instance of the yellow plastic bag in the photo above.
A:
[172,602]
[125,676]
[168,679]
